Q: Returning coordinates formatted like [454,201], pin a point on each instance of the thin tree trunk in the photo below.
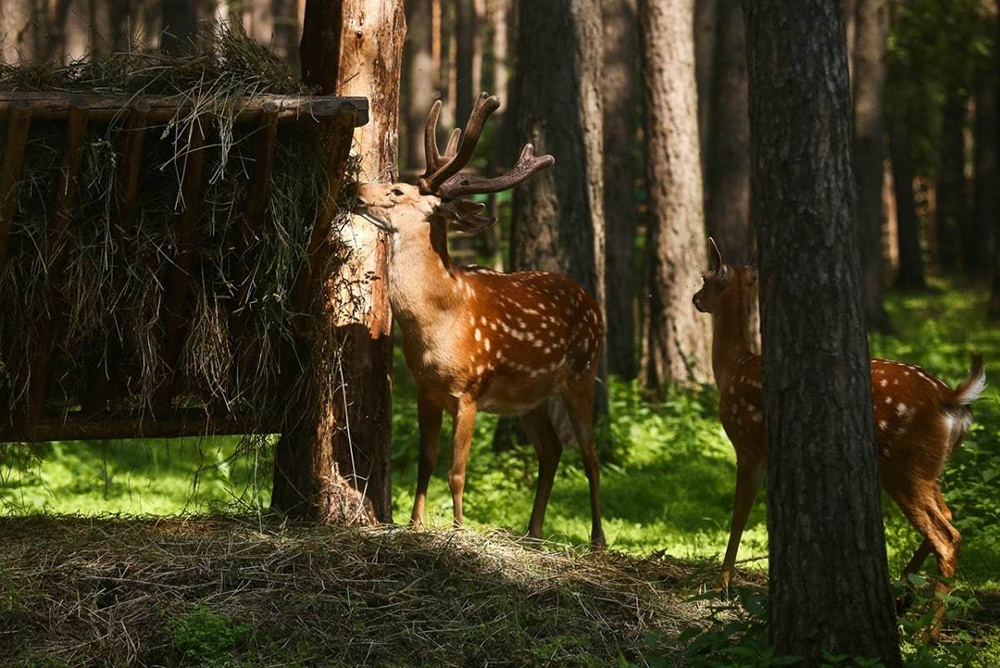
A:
[705,33]
[339,452]
[179,24]
[994,305]
[950,219]
[418,78]
[286,28]
[824,507]
[621,63]
[986,206]
[870,51]
[910,275]
[678,335]
[465,39]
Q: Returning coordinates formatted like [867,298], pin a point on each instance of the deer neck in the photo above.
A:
[423,285]
[730,336]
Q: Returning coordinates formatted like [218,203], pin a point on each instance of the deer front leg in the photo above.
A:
[748,474]
[429,421]
[465,418]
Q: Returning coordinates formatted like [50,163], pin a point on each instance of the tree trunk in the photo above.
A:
[558,216]
[179,24]
[828,576]
[986,206]
[994,305]
[16,34]
[465,40]
[870,51]
[678,335]
[705,32]
[418,78]
[950,183]
[620,69]
[286,28]
[341,446]
[910,275]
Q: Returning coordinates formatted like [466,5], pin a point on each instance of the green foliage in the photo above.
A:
[204,639]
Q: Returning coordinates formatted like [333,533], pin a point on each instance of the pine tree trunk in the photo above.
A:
[179,24]
[828,576]
[418,78]
[994,305]
[870,51]
[986,203]
[338,454]
[705,32]
[910,275]
[558,216]
[620,103]
[678,335]
[950,219]
[465,39]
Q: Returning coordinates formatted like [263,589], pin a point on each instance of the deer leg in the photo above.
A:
[465,418]
[429,420]
[748,472]
[542,433]
[924,550]
[579,400]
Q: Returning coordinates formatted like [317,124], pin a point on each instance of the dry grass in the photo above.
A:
[102,592]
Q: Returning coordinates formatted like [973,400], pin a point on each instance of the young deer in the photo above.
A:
[477,340]
[919,421]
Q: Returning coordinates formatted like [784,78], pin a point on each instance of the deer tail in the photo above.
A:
[970,388]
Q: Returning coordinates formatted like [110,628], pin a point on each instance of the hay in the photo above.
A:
[110,307]
[107,592]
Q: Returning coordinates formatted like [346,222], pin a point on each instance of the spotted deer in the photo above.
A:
[919,421]
[476,340]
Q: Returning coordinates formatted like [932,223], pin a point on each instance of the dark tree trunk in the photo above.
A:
[705,33]
[678,335]
[465,41]
[286,27]
[870,51]
[986,206]
[621,61]
[910,275]
[829,581]
[950,221]
[418,78]
[179,24]
[558,216]
[339,451]
[994,306]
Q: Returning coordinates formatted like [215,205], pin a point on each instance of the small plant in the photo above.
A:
[205,639]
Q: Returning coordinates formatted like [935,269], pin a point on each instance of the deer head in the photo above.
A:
[723,283]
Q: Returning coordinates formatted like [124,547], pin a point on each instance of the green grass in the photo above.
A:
[670,488]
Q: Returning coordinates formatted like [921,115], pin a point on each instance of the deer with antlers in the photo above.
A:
[478,340]
[919,421]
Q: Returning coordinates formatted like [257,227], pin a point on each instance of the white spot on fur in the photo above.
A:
[901,408]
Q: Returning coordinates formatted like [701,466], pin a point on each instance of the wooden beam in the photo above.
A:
[178,281]
[76,427]
[56,105]
[65,201]
[18,123]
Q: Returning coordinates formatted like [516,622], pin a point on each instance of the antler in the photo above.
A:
[442,175]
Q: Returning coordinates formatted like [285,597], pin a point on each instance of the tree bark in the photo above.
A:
[994,305]
[950,219]
[179,24]
[705,32]
[678,335]
[465,41]
[558,215]
[418,78]
[620,103]
[870,51]
[341,446]
[986,203]
[828,576]
[910,275]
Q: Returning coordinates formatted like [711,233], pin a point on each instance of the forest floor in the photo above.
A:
[667,482]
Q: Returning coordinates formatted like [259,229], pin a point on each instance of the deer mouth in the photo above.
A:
[377,221]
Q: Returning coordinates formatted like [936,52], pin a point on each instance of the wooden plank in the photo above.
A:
[76,427]
[178,281]
[55,105]
[95,401]
[18,124]
[65,200]
[306,283]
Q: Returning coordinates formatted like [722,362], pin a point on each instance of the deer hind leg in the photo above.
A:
[748,472]
[924,550]
[429,420]
[579,400]
[465,419]
[924,507]
[542,433]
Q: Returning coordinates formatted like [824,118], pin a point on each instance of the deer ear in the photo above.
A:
[465,216]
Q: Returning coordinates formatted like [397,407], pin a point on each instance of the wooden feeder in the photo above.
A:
[333,118]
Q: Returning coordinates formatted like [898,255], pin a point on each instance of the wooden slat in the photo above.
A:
[18,124]
[65,201]
[56,105]
[306,282]
[178,281]
[95,402]
[178,424]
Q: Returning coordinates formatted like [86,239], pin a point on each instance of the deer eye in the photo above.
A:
[397,192]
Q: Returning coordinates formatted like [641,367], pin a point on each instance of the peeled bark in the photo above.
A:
[338,452]
[621,62]
[870,52]
[678,336]
[828,576]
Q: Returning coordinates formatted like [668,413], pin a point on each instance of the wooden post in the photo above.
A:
[332,463]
